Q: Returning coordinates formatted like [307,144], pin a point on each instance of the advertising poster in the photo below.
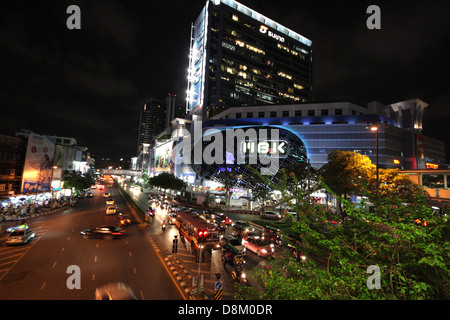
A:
[37,170]
[163,157]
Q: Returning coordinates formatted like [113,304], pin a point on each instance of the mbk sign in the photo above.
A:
[244,145]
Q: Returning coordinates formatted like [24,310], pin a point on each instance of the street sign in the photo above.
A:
[218,285]
[197,284]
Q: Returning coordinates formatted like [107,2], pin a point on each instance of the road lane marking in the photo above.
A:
[134,270]
[93,276]
[129,253]
[43,285]
[95,259]
[54,264]
[62,249]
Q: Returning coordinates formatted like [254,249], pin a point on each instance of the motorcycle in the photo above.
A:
[163,226]
[238,273]
[236,260]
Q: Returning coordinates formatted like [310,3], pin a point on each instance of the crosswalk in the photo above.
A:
[10,255]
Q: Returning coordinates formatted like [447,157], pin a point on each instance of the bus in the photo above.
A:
[197,231]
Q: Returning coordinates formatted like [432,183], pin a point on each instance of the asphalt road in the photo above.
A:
[39,269]
[211,263]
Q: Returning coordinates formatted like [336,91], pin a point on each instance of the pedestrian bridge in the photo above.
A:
[120,172]
[434,181]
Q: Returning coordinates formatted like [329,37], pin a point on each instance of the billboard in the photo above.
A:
[164,158]
[197,63]
[37,171]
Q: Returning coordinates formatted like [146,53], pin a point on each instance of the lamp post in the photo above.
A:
[51,186]
[374,128]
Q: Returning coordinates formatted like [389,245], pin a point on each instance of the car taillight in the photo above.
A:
[116,233]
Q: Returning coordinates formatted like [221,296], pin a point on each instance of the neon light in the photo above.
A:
[432,166]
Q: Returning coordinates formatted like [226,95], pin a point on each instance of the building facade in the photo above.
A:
[12,157]
[324,127]
[241,58]
[298,133]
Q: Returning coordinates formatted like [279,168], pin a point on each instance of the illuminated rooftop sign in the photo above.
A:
[264,20]
[265,30]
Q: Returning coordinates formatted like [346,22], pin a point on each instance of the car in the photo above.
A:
[109,201]
[234,242]
[111,210]
[89,195]
[106,195]
[270,215]
[115,291]
[241,228]
[102,232]
[123,219]
[165,205]
[20,236]
[222,220]
[259,246]
[172,217]
[208,218]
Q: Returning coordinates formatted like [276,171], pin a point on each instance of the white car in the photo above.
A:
[271,215]
[115,291]
[20,236]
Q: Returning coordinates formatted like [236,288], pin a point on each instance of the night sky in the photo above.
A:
[90,84]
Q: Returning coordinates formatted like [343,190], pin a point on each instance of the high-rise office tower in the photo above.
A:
[173,110]
[239,58]
[152,121]
[156,116]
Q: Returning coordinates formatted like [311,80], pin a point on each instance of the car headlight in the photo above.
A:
[264,251]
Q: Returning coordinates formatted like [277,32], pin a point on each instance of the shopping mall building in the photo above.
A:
[298,133]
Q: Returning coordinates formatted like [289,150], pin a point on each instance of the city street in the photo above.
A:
[211,264]
[38,270]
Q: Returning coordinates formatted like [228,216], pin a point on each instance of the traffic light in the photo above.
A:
[202,235]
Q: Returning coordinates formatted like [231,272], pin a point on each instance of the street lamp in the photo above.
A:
[375,128]
[51,185]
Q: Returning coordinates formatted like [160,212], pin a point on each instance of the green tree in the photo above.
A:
[229,179]
[346,173]
[408,243]
[77,180]
[167,181]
